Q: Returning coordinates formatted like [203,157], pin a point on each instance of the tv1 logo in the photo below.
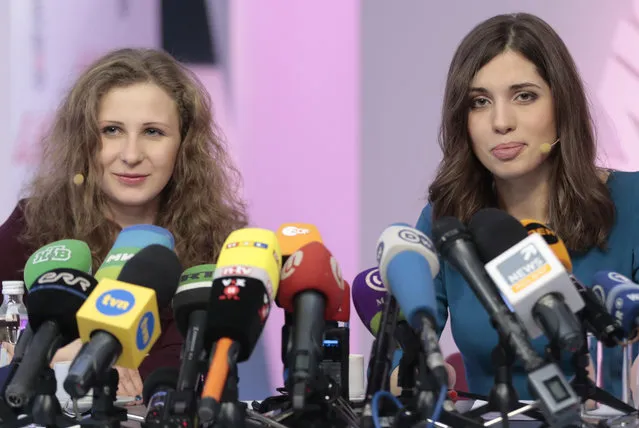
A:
[524,268]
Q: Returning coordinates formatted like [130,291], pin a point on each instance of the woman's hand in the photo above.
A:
[396,390]
[130,385]
[9,347]
[67,353]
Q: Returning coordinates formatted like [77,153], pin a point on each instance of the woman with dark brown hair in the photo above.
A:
[133,142]
[517,134]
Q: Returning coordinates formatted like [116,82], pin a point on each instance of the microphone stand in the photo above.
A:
[381,359]
[181,405]
[419,388]
[45,407]
[427,394]
[325,407]
[586,388]
[409,363]
[232,411]
[103,413]
[503,397]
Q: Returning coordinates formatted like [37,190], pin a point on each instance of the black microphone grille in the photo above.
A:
[495,231]
[155,267]
[163,377]
[446,229]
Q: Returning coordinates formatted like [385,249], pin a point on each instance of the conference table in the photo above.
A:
[139,412]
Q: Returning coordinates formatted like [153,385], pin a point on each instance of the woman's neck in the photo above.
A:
[125,216]
[525,197]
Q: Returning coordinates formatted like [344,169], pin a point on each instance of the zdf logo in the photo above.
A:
[294,231]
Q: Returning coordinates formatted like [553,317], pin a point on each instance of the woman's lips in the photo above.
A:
[509,151]
[131,179]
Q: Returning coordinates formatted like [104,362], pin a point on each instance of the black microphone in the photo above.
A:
[156,392]
[120,323]
[190,308]
[530,277]
[558,402]
[596,319]
[54,299]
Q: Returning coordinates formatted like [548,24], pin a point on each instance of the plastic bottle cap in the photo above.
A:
[12,287]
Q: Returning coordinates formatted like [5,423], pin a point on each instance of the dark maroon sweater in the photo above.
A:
[13,257]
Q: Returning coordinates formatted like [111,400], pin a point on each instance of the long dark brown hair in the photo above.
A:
[580,209]
[200,205]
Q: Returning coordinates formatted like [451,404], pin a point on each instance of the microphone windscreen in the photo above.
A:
[407,264]
[293,236]
[554,242]
[57,295]
[238,309]
[495,231]
[344,311]
[63,254]
[161,378]
[193,293]
[156,267]
[252,247]
[444,228]
[312,267]
[619,295]
[130,241]
[369,294]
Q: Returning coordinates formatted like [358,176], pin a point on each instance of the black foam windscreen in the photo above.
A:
[161,378]
[444,228]
[238,308]
[187,301]
[57,295]
[155,267]
[495,231]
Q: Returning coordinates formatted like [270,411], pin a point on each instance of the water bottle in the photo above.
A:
[13,316]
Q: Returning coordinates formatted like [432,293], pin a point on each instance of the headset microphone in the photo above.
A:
[545,148]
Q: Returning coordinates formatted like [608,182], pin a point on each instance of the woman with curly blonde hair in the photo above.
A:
[133,142]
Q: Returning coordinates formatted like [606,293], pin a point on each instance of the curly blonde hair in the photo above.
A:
[200,205]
